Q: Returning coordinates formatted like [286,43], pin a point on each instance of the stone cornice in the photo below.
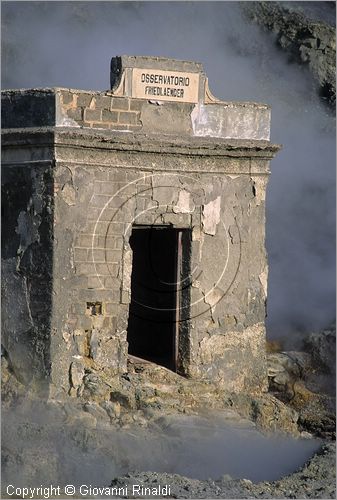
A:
[95,139]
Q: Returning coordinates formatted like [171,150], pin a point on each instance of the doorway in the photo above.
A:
[159,286]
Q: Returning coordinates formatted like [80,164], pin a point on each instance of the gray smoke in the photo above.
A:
[42,446]
[70,44]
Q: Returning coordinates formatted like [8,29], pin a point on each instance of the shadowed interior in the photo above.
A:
[152,316]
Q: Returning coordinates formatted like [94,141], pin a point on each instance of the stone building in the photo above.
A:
[133,225]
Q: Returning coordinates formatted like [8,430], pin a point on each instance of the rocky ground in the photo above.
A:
[305,381]
[315,480]
[154,420]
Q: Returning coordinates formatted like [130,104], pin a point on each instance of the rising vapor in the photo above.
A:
[69,44]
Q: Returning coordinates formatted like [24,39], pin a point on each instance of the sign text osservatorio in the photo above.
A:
[165,85]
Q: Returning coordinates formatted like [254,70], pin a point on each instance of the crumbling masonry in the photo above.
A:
[87,173]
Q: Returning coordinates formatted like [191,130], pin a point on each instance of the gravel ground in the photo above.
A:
[316,479]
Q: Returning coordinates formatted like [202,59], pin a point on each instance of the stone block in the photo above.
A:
[75,114]
[67,98]
[119,103]
[99,255]
[127,117]
[85,240]
[98,229]
[100,200]
[92,115]
[118,175]
[112,282]
[125,297]
[103,102]
[84,322]
[168,118]
[232,120]
[136,104]
[80,254]
[177,220]
[87,268]
[83,100]
[102,269]
[90,295]
[111,309]
[113,255]
[81,341]
[74,282]
[109,116]
[76,373]
[101,175]
[95,282]
[112,242]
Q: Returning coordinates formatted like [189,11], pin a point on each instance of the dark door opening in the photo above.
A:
[154,314]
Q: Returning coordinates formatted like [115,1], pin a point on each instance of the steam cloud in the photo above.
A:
[40,446]
[70,44]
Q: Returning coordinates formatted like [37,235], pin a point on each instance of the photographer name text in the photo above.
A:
[135,490]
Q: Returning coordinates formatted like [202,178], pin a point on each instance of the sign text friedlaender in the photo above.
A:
[165,85]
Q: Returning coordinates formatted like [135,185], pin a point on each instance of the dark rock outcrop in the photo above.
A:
[305,381]
[307,41]
[322,347]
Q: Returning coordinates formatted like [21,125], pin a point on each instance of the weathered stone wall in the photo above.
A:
[68,107]
[99,191]
[27,269]
[95,209]
[97,110]
[85,183]
[103,110]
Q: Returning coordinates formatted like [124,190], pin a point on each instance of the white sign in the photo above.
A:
[165,85]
